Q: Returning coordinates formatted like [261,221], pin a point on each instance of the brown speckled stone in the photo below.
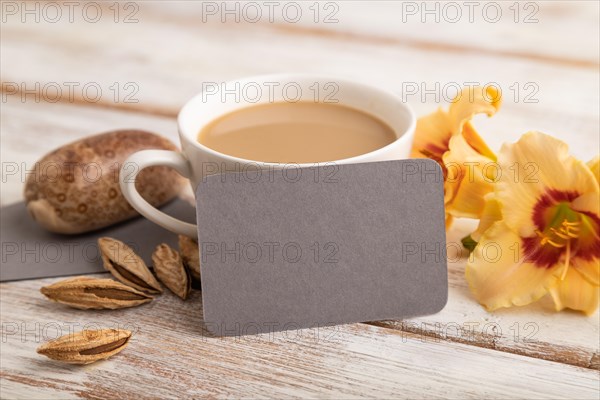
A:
[75,188]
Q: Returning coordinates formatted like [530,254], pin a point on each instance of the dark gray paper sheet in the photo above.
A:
[303,248]
[29,251]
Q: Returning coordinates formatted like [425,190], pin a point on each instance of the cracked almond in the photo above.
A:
[90,293]
[87,346]
[169,268]
[190,254]
[125,265]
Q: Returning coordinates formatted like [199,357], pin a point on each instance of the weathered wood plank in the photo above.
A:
[535,331]
[170,355]
[171,52]
[148,53]
[565,337]
[484,27]
[30,130]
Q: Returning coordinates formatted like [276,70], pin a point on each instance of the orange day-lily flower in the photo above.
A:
[540,230]
[450,139]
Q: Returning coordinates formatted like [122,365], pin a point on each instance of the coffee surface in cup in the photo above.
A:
[303,132]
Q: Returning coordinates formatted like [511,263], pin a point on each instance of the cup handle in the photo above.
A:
[149,158]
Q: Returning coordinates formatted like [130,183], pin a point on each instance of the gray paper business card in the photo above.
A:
[307,247]
[29,251]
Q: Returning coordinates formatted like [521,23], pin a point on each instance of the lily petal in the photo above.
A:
[530,167]
[431,136]
[589,202]
[498,275]
[589,269]
[449,221]
[471,101]
[466,183]
[594,166]
[492,213]
[576,293]
[476,142]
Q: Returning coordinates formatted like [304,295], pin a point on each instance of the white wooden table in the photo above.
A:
[147,68]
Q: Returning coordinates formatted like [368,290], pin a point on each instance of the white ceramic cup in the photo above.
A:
[196,161]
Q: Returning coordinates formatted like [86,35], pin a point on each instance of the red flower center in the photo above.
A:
[562,233]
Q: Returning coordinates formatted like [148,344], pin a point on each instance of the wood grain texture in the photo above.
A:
[30,130]
[451,28]
[216,52]
[168,54]
[536,330]
[171,356]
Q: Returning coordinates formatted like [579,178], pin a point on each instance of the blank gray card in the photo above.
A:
[31,252]
[334,244]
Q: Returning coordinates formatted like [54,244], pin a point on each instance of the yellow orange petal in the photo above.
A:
[476,142]
[431,136]
[491,213]
[471,101]
[530,167]
[589,269]
[498,275]
[449,220]
[594,166]
[466,181]
[576,293]
[589,202]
